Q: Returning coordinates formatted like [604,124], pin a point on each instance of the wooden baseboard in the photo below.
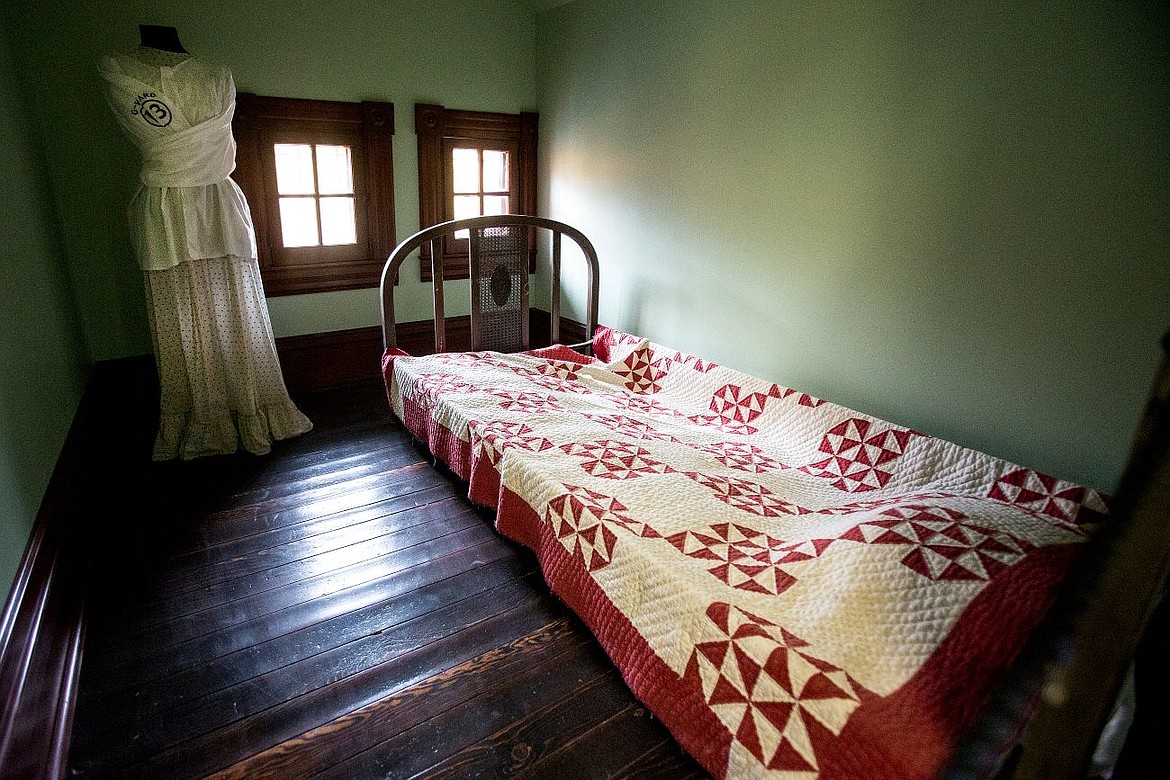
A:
[572,332]
[329,359]
[106,451]
[341,357]
[42,628]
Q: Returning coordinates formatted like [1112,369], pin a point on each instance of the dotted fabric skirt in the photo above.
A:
[222,387]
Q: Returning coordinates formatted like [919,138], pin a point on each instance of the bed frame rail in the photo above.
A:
[434,237]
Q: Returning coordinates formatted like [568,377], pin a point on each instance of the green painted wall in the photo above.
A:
[40,382]
[947,215]
[469,54]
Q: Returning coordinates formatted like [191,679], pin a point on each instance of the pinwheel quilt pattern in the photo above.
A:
[794,588]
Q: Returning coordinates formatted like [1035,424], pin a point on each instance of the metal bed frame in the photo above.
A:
[497,264]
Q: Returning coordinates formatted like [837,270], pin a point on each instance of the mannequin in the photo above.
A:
[160,46]
[154,36]
[220,379]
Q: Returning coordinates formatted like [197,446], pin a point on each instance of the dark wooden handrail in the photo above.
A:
[1082,685]
[1060,695]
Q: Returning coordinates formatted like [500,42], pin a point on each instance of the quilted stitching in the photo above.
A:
[707,525]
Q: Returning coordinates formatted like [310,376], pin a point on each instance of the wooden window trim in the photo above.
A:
[439,128]
[282,257]
[369,126]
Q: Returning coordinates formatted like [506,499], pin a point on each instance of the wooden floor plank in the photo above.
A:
[221,748]
[243,476]
[285,483]
[313,548]
[363,728]
[211,555]
[663,762]
[141,551]
[158,724]
[466,721]
[541,731]
[224,524]
[127,611]
[159,661]
[364,446]
[603,751]
[337,607]
[234,612]
[312,572]
[203,676]
[172,527]
[344,406]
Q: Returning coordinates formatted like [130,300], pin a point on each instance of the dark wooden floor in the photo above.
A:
[337,608]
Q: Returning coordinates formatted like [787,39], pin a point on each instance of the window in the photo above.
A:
[480,182]
[472,163]
[314,186]
[319,179]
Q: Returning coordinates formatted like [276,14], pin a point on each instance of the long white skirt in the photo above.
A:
[221,383]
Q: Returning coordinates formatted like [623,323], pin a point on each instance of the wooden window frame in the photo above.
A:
[439,130]
[368,129]
[513,191]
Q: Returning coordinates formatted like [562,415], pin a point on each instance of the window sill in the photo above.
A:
[323,277]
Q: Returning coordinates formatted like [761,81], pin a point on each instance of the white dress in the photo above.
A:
[220,379]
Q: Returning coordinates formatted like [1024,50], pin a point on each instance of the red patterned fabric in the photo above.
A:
[635,367]
[561,353]
[794,588]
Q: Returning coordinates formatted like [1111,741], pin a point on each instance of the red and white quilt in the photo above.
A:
[794,588]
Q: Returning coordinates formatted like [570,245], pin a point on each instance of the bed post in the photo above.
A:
[437,272]
[473,250]
[386,288]
[554,320]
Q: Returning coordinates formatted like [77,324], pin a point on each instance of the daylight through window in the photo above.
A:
[315,185]
[472,163]
[319,179]
[480,183]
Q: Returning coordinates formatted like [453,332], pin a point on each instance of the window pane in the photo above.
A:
[294,170]
[298,221]
[495,170]
[337,222]
[466,170]
[334,170]
[495,204]
[465,206]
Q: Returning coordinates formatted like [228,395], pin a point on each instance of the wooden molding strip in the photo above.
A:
[42,628]
[41,619]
